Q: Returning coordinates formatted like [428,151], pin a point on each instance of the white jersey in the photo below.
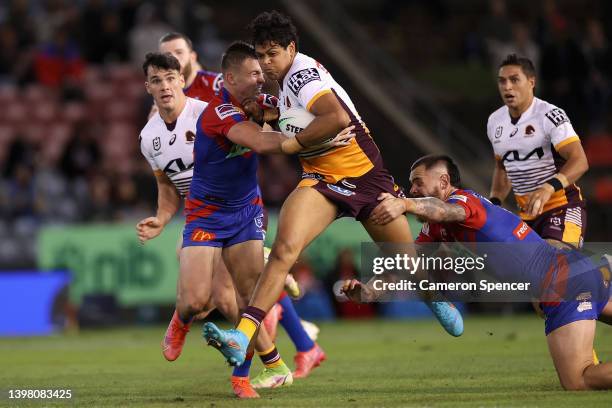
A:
[305,82]
[528,149]
[169,148]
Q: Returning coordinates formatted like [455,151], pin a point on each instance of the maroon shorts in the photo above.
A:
[567,224]
[357,197]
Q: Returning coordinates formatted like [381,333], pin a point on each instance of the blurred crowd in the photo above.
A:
[73,101]
[566,40]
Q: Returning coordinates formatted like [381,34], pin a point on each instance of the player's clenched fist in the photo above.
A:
[148,229]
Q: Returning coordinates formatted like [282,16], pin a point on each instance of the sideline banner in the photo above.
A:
[107,258]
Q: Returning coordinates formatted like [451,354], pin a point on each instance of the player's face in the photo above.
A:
[181,51]
[165,86]
[515,88]
[275,60]
[247,78]
[426,183]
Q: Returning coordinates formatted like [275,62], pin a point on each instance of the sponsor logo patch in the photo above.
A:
[458,197]
[557,117]
[340,190]
[584,306]
[226,110]
[199,235]
[498,131]
[521,231]
[299,79]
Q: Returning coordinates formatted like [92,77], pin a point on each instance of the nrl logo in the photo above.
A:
[157,143]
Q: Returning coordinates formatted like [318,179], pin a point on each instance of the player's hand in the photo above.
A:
[253,110]
[537,199]
[341,139]
[390,208]
[357,291]
[148,229]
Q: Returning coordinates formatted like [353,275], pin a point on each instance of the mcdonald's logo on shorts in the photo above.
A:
[199,235]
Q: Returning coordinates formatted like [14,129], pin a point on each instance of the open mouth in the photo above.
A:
[509,97]
[166,98]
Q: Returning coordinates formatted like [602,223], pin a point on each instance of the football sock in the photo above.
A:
[293,326]
[243,369]
[250,320]
[270,358]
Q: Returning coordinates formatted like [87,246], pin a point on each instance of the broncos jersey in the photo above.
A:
[529,150]
[169,147]
[306,81]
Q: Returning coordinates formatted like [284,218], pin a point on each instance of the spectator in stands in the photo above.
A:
[58,63]
[599,58]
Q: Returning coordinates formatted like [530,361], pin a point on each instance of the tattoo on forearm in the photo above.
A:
[436,210]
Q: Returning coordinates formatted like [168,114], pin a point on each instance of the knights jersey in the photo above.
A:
[224,174]
[305,82]
[205,85]
[529,150]
[169,147]
[522,254]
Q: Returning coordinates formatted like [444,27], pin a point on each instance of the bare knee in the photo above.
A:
[576,381]
[192,303]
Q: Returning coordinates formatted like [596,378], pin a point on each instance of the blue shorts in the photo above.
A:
[558,315]
[221,227]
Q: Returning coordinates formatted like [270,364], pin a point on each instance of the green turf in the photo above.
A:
[497,362]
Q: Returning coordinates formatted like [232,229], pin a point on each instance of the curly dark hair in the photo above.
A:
[273,27]
[160,60]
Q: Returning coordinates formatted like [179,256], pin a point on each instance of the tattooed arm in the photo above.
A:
[430,209]
[434,210]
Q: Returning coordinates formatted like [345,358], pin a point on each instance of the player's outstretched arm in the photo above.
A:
[251,135]
[168,203]
[500,184]
[430,209]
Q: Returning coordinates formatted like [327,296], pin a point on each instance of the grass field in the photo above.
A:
[497,362]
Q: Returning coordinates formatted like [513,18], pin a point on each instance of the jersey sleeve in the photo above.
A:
[475,213]
[218,120]
[308,85]
[559,128]
[147,154]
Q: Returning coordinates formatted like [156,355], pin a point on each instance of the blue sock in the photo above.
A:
[243,370]
[292,325]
